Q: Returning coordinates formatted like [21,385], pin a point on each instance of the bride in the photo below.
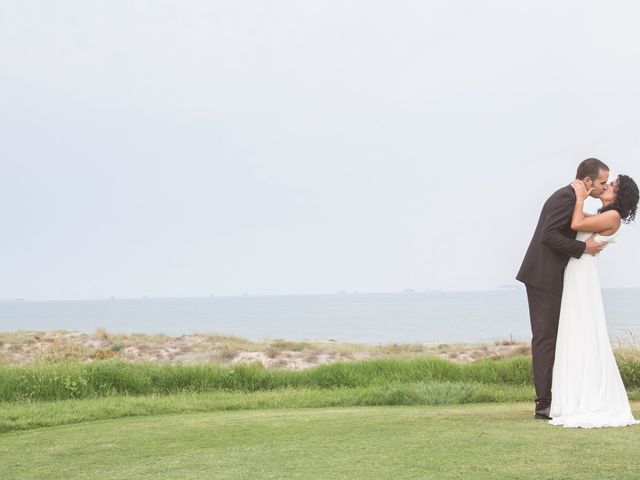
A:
[587,390]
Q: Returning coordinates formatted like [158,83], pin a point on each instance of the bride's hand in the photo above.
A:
[581,189]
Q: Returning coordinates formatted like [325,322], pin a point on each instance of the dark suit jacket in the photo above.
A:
[552,244]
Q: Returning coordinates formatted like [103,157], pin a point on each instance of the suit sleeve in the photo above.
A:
[559,214]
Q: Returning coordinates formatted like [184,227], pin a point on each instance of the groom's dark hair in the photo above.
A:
[590,168]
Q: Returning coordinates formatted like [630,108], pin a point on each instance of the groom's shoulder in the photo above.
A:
[565,193]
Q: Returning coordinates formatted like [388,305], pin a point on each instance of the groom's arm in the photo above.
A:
[559,215]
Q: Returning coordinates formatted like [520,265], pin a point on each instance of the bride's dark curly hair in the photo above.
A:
[627,197]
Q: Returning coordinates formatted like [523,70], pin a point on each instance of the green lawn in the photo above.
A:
[28,415]
[378,442]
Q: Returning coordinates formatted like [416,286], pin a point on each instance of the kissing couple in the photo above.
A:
[576,377]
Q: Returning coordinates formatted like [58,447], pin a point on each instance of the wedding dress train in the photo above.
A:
[587,390]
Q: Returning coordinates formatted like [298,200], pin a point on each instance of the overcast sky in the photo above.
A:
[189,148]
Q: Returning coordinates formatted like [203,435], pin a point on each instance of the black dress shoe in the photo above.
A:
[543,414]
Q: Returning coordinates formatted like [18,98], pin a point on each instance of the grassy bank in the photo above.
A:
[474,441]
[77,380]
[24,416]
[54,393]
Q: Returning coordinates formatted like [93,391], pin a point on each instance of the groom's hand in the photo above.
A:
[593,247]
[582,192]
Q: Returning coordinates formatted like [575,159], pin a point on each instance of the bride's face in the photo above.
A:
[608,196]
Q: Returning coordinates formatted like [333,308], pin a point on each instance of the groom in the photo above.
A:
[542,272]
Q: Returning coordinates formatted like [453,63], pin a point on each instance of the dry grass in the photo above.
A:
[102,334]
[627,345]
[30,347]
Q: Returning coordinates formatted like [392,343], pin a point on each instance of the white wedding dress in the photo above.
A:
[587,390]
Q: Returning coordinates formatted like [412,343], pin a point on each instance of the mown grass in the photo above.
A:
[443,442]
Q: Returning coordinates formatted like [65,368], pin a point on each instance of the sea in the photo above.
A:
[431,317]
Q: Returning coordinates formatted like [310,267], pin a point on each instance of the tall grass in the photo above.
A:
[69,380]
[58,381]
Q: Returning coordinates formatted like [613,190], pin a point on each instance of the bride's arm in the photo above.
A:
[609,220]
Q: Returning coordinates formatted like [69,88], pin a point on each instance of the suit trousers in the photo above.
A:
[544,312]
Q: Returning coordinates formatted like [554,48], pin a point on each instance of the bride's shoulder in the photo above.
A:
[612,216]
[612,225]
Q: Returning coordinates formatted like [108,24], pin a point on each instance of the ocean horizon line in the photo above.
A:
[408,291]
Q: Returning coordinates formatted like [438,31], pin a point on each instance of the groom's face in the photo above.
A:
[599,185]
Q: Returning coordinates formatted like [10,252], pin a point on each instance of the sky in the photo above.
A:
[194,148]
